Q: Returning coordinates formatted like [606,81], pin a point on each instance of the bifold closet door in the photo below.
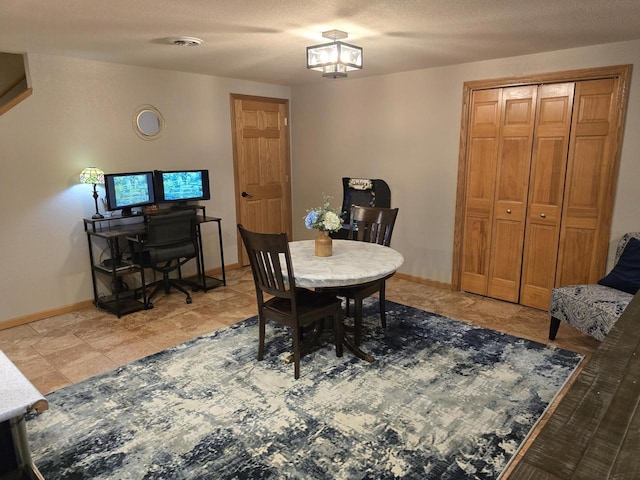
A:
[500,139]
[592,172]
[546,193]
[540,169]
[484,133]
[511,191]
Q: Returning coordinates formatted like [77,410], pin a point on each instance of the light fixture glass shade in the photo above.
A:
[92,175]
[334,59]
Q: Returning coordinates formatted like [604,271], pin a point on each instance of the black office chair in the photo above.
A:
[373,225]
[170,242]
[364,192]
[291,306]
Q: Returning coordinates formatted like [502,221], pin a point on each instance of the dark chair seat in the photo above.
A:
[308,303]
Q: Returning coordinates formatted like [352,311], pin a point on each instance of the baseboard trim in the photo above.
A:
[423,281]
[34,317]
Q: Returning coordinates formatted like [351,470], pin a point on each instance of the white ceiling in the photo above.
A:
[265,40]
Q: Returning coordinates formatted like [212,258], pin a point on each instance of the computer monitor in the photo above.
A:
[182,186]
[127,190]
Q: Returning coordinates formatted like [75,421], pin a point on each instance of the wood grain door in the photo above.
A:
[592,169]
[484,133]
[511,190]
[261,166]
[546,193]
[567,213]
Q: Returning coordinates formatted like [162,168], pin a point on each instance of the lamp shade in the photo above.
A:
[334,59]
[92,175]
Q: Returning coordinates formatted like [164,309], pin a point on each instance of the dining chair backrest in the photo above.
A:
[372,224]
[267,252]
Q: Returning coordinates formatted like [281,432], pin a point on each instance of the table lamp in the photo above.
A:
[96,176]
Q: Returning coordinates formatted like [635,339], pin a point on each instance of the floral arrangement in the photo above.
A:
[323,218]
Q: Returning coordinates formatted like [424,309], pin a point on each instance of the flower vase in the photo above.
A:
[324,244]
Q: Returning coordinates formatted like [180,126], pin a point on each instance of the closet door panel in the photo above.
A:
[546,189]
[591,177]
[483,153]
[505,271]
[511,189]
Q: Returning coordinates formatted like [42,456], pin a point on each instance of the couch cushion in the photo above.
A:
[625,276]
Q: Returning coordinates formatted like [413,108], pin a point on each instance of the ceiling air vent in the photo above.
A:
[185,41]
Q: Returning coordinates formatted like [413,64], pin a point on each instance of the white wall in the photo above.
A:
[80,114]
[405,128]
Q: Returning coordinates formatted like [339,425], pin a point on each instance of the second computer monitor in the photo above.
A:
[182,186]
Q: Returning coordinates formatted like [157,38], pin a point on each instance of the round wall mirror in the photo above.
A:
[148,122]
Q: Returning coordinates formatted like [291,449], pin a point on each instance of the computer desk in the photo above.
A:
[111,230]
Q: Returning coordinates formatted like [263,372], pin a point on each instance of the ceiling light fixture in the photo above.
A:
[334,59]
[185,41]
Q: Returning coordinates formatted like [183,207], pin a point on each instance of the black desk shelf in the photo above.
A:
[114,229]
[122,305]
[111,230]
[120,271]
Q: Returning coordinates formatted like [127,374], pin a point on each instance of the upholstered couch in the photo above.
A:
[594,309]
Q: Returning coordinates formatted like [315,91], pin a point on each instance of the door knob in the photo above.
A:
[543,215]
[245,195]
[509,211]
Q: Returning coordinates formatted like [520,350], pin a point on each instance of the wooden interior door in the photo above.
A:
[511,190]
[546,190]
[484,133]
[262,168]
[592,169]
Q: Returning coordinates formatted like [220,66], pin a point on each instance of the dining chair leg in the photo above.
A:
[261,335]
[338,332]
[296,353]
[383,305]
[357,320]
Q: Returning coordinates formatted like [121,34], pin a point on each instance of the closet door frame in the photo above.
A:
[621,72]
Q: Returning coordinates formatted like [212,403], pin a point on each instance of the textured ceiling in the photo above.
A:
[265,40]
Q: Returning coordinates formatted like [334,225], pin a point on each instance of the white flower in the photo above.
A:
[332,221]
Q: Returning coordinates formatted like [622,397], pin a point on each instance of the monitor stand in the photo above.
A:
[181,206]
[126,212]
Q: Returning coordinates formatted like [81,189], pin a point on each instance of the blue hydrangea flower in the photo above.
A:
[311,219]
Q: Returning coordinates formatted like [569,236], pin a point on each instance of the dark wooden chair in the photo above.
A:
[294,307]
[373,225]
[170,242]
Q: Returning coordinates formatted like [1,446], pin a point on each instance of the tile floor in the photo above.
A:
[58,351]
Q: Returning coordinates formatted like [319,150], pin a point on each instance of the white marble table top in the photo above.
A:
[17,395]
[352,263]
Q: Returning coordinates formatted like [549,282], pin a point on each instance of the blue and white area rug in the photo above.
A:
[442,400]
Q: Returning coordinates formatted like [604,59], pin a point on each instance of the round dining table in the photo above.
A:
[352,263]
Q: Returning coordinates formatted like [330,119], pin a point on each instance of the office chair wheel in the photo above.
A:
[188,300]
